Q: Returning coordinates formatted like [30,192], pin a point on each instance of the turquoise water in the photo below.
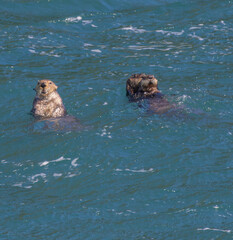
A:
[129,174]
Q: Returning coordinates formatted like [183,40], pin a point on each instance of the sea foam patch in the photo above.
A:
[73,19]
[134,29]
[60,159]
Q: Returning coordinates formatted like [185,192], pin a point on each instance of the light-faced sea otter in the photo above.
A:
[47,102]
[49,110]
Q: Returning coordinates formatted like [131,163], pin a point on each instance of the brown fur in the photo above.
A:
[47,102]
[143,86]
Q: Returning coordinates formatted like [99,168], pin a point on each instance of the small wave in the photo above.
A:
[85,22]
[140,47]
[133,29]
[74,162]
[87,45]
[57,174]
[168,33]
[194,28]
[134,170]
[35,178]
[213,229]
[31,50]
[195,36]
[96,50]
[73,19]
[58,160]
[51,54]
[21,185]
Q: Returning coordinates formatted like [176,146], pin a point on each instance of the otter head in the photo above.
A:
[45,88]
[132,84]
[148,85]
[141,84]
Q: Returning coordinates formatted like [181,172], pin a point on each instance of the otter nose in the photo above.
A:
[151,83]
[43,85]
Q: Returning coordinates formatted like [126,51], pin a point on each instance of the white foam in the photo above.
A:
[177,33]
[140,170]
[170,33]
[193,28]
[60,159]
[87,45]
[18,184]
[195,36]
[43,53]
[133,29]
[106,89]
[44,163]
[222,22]
[35,178]
[70,175]
[56,160]
[105,133]
[140,47]
[31,50]
[96,50]
[85,22]
[130,211]
[214,229]
[74,162]
[57,174]
[134,170]
[73,19]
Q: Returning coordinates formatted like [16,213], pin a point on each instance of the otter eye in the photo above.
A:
[50,82]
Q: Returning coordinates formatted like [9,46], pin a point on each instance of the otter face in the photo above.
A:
[139,85]
[45,87]
[148,85]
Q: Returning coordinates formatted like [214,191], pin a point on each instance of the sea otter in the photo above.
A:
[143,86]
[47,102]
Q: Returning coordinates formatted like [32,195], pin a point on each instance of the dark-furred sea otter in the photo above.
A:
[142,86]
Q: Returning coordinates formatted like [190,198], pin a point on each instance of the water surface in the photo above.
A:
[130,175]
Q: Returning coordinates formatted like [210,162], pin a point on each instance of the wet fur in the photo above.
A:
[143,86]
[47,102]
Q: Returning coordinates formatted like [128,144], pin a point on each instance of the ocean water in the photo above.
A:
[126,174]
